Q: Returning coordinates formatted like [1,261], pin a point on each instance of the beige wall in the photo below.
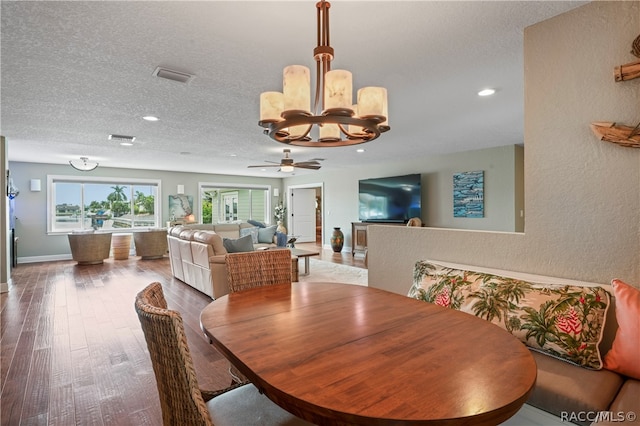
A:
[582,195]
[503,197]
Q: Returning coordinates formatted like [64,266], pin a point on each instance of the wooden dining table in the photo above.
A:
[346,354]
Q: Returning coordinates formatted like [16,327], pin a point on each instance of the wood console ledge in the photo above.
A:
[621,135]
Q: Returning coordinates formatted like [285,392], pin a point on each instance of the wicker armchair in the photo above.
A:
[90,248]
[182,401]
[151,244]
[258,268]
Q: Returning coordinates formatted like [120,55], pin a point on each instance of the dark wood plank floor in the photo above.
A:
[72,351]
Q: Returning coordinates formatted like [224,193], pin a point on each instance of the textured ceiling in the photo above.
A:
[75,72]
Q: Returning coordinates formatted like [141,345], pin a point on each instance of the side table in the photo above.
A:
[120,246]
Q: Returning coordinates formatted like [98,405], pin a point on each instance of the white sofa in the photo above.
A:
[197,253]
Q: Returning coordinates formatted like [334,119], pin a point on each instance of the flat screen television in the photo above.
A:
[390,199]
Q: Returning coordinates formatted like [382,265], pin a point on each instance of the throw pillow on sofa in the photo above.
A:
[564,321]
[256,223]
[250,231]
[265,235]
[623,356]
[240,245]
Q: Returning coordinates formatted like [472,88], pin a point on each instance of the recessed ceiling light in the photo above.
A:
[233,155]
[150,118]
[360,150]
[263,170]
[486,92]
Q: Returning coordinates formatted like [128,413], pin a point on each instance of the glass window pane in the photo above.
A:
[68,211]
[102,205]
[144,205]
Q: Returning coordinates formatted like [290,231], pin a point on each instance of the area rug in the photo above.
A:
[333,272]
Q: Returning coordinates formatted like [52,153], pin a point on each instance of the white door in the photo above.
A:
[303,214]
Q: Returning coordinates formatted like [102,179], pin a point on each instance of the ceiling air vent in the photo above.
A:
[122,138]
[178,76]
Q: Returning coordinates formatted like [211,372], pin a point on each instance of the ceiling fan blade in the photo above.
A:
[306,163]
[315,160]
[266,165]
[312,167]
[274,162]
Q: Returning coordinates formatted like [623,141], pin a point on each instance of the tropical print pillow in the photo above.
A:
[564,321]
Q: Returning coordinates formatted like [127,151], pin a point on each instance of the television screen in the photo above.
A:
[390,199]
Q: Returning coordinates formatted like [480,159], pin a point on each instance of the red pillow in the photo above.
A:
[624,356]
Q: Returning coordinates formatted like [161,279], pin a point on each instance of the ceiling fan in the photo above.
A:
[287,164]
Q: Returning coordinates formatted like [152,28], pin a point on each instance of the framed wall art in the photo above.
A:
[468,194]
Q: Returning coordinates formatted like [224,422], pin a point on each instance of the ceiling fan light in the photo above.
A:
[286,169]
[296,87]
[338,89]
[271,106]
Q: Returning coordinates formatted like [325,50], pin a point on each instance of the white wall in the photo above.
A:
[582,195]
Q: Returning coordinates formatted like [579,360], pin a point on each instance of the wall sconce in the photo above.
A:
[180,189]
[276,192]
[35,185]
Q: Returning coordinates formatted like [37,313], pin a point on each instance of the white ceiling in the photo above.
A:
[75,72]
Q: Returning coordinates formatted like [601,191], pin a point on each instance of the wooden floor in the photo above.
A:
[72,351]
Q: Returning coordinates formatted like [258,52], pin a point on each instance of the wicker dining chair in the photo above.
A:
[183,403]
[258,268]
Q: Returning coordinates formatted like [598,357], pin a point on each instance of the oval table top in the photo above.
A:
[346,354]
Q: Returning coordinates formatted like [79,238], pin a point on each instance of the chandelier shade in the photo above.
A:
[288,116]
[83,164]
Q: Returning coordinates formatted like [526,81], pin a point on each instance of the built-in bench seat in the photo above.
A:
[568,325]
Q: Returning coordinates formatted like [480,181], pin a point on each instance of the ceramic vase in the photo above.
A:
[280,228]
[337,240]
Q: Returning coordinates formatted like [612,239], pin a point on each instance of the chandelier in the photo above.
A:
[84,165]
[288,118]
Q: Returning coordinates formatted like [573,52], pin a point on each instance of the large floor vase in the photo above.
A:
[337,240]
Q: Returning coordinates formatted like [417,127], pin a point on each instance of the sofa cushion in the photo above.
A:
[256,223]
[265,235]
[624,356]
[240,245]
[187,234]
[560,320]
[228,230]
[561,387]
[253,231]
[211,238]
[625,408]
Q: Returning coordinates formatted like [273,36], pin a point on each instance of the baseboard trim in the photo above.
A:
[48,258]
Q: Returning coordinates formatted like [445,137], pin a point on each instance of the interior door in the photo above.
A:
[303,214]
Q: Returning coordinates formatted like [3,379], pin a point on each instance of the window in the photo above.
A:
[80,203]
[223,203]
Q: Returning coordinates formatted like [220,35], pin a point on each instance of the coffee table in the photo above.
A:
[305,254]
